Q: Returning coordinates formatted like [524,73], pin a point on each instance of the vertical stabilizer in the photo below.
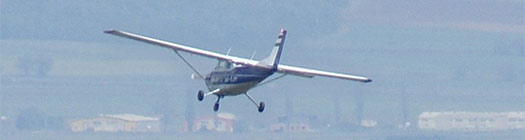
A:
[275,55]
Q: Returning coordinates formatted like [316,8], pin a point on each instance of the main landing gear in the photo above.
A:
[201,95]
[260,106]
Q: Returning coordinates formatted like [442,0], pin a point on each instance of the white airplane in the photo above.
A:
[234,75]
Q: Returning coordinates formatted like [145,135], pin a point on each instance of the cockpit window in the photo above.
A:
[223,65]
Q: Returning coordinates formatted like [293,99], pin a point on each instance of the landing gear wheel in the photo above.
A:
[261,107]
[200,95]
[216,107]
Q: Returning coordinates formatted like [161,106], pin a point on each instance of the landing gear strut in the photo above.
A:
[260,106]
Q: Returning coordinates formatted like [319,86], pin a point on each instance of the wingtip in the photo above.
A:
[110,31]
[367,81]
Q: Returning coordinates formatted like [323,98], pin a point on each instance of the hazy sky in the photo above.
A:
[247,26]
[78,20]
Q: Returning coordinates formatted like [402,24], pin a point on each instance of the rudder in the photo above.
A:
[275,55]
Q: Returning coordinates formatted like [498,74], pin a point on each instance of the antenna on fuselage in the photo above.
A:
[253,55]
[229,50]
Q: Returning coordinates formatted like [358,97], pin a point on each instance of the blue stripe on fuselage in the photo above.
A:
[239,75]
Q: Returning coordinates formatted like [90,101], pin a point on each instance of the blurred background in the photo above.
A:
[449,69]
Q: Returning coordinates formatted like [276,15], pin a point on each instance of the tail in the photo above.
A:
[275,55]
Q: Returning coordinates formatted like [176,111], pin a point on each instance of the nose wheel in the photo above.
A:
[216,106]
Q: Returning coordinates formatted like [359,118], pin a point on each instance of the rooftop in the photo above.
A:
[130,117]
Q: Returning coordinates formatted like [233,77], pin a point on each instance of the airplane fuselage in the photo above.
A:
[236,80]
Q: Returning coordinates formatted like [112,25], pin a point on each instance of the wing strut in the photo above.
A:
[188,63]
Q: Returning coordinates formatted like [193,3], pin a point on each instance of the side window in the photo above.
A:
[234,78]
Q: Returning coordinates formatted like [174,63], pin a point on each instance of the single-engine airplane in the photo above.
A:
[234,75]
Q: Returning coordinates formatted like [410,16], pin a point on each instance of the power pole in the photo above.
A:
[359,101]
[337,107]
[288,107]
[404,107]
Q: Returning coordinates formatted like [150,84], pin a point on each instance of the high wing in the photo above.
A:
[311,73]
[284,69]
[184,48]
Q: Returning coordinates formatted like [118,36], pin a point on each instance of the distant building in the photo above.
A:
[117,123]
[292,127]
[223,122]
[368,123]
[471,121]
[3,118]
[294,123]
